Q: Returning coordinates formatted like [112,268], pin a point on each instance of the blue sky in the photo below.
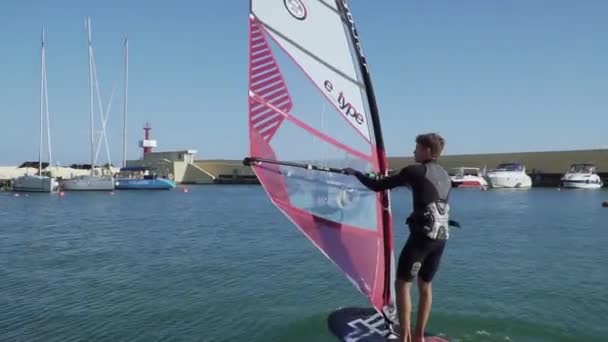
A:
[490,76]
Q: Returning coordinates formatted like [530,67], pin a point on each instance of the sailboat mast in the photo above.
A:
[46,109]
[124,124]
[389,290]
[41,100]
[88,24]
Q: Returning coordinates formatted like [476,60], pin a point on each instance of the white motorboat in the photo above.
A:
[509,175]
[468,177]
[581,176]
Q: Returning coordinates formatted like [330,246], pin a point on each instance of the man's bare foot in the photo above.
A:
[405,336]
[418,338]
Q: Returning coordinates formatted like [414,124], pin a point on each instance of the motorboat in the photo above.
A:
[509,175]
[582,176]
[468,177]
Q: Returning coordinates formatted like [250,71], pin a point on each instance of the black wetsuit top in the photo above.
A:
[429,182]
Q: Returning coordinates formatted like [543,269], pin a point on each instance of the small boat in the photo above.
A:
[35,183]
[137,177]
[581,176]
[140,178]
[468,177]
[41,181]
[88,183]
[100,178]
[509,175]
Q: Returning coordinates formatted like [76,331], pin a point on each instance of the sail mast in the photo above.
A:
[88,24]
[42,67]
[46,109]
[124,128]
[380,151]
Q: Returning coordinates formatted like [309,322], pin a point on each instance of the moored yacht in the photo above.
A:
[468,177]
[509,175]
[581,176]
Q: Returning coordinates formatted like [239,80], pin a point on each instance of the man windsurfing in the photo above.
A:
[428,224]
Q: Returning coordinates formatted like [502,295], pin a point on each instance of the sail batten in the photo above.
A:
[316,58]
[279,111]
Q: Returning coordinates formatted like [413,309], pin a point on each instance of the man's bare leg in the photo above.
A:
[404,309]
[424,309]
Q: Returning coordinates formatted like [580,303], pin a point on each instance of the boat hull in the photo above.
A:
[576,180]
[573,184]
[88,183]
[33,183]
[509,180]
[144,184]
[469,182]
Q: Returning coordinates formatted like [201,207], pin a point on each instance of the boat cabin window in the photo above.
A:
[582,168]
[465,171]
[510,167]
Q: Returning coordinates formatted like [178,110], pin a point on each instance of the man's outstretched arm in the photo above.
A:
[384,183]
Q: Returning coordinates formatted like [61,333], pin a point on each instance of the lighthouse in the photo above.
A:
[146,143]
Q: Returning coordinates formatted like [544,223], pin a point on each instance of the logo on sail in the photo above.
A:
[295,8]
[345,106]
[354,33]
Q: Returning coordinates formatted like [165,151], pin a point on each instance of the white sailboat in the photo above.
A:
[98,179]
[135,178]
[39,182]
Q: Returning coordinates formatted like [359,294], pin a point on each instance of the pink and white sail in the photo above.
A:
[310,102]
